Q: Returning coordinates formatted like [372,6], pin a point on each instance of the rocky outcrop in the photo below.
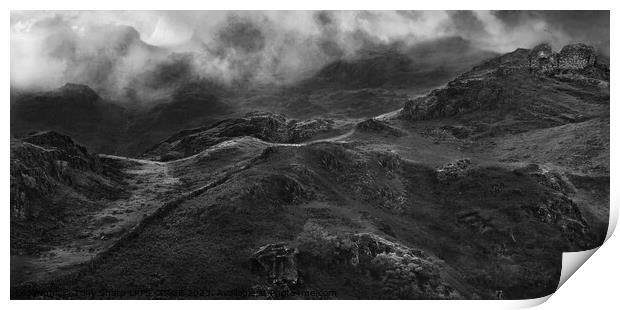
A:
[453,170]
[55,184]
[511,82]
[572,57]
[278,262]
[557,209]
[76,155]
[42,162]
[269,127]
[562,212]
[547,177]
[542,58]
[377,126]
[401,271]
[576,57]
[277,189]
[300,131]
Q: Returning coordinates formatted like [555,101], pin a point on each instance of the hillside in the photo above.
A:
[471,191]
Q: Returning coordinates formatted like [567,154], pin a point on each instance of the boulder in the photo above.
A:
[453,170]
[278,262]
[542,58]
[576,57]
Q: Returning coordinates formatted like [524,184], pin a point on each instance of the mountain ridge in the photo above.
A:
[444,199]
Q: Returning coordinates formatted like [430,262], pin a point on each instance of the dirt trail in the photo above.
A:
[149,183]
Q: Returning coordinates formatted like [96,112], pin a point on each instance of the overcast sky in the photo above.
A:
[113,48]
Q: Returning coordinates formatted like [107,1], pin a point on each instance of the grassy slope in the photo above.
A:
[501,224]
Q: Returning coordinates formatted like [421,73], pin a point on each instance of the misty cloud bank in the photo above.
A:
[140,55]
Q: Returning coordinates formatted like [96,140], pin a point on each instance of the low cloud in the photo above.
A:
[140,54]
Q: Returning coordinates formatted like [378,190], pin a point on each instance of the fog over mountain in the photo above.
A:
[307,154]
[142,54]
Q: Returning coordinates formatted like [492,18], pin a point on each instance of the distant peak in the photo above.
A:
[75,86]
[72,89]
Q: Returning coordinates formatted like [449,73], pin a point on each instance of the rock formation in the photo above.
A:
[511,81]
[269,127]
[278,262]
[38,163]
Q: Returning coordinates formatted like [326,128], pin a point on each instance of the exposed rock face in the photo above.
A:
[270,127]
[278,261]
[300,131]
[510,82]
[542,58]
[576,56]
[572,57]
[561,211]
[75,154]
[401,271]
[39,163]
[557,209]
[548,178]
[265,126]
[374,125]
[55,184]
[453,170]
